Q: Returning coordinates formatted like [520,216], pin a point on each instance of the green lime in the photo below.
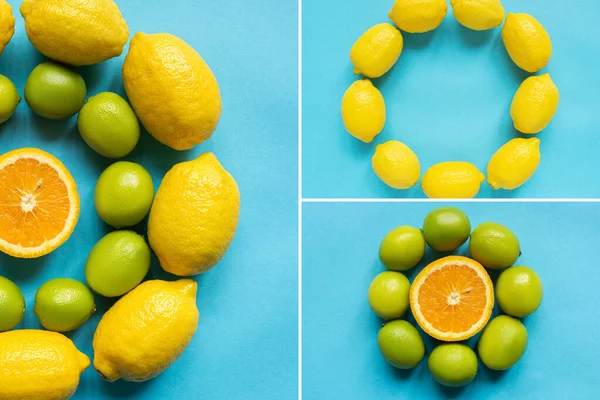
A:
[9,98]
[502,342]
[453,364]
[519,291]
[400,344]
[117,263]
[12,305]
[123,194]
[402,248]
[388,295]
[63,304]
[108,125]
[54,91]
[446,228]
[494,246]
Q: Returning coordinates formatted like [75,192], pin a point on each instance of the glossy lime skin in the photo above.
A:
[402,248]
[519,291]
[12,304]
[400,344]
[117,263]
[54,91]
[502,342]
[388,295]
[494,246]
[453,364]
[9,98]
[108,125]
[446,228]
[123,194]
[63,304]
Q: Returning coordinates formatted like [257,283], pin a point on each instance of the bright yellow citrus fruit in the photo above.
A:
[452,298]
[478,15]
[172,90]
[194,216]
[7,24]
[534,104]
[40,365]
[76,32]
[452,180]
[396,165]
[527,42]
[514,163]
[363,110]
[146,330]
[418,16]
[377,50]
[39,203]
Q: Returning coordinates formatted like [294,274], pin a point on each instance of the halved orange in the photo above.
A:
[39,203]
[452,298]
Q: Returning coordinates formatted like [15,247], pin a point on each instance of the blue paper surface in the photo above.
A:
[246,343]
[340,256]
[448,98]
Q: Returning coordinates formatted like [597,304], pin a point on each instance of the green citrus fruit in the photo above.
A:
[400,344]
[446,228]
[494,246]
[12,305]
[63,304]
[502,342]
[402,248]
[453,364]
[519,291]
[9,98]
[388,295]
[123,194]
[108,125]
[54,91]
[117,263]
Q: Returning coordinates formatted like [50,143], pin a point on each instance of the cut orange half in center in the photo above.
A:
[39,204]
[452,298]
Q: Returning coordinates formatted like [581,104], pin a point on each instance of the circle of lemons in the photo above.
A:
[533,106]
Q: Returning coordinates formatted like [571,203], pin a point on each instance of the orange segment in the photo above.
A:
[452,298]
[39,204]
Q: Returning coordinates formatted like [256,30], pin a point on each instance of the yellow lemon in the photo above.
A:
[478,15]
[194,216]
[377,50]
[39,365]
[526,41]
[76,32]
[7,24]
[534,104]
[363,110]
[146,330]
[172,90]
[452,180]
[418,16]
[396,165]
[514,163]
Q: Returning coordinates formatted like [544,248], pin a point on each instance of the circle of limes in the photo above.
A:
[504,21]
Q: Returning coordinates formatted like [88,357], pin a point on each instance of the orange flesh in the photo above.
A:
[446,285]
[34,203]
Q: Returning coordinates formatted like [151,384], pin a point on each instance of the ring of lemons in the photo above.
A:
[533,106]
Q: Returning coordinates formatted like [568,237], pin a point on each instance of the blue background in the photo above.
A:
[448,98]
[246,343]
[340,355]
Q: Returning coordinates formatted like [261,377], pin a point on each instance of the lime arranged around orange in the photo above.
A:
[452,298]
[39,203]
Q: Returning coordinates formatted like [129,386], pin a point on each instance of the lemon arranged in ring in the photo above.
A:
[532,109]
[396,165]
[377,50]
[363,110]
